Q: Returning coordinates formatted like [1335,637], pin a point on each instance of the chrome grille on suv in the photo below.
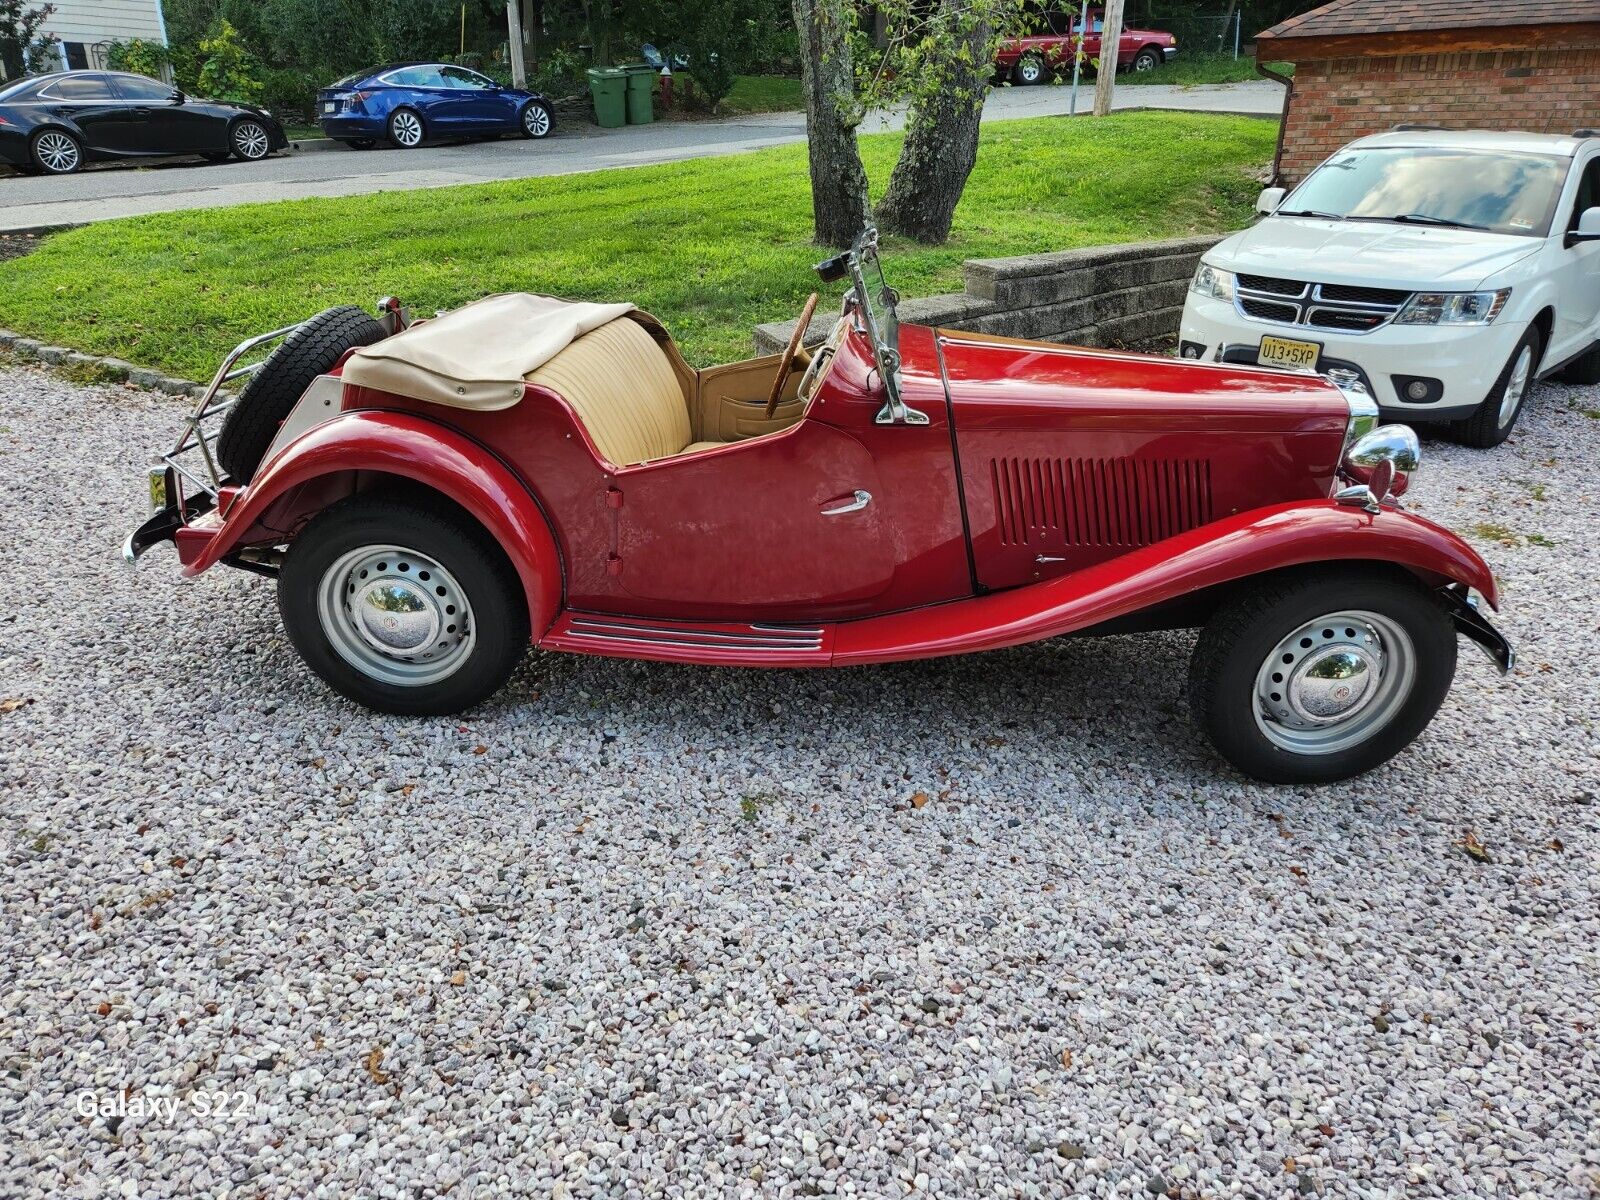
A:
[1342,306]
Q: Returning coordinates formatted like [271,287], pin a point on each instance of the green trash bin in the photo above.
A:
[641,93]
[609,88]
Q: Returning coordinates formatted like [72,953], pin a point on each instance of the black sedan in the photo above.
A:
[53,124]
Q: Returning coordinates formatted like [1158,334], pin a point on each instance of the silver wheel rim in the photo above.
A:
[1334,682]
[395,615]
[407,129]
[1516,386]
[57,152]
[1030,71]
[251,140]
[1144,63]
[536,121]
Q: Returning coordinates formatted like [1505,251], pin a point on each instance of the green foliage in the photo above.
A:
[139,56]
[560,74]
[229,71]
[289,94]
[21,44]
[713,246]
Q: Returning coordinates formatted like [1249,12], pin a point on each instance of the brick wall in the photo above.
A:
[1338,100]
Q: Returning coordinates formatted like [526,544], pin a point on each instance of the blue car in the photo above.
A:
[413,103]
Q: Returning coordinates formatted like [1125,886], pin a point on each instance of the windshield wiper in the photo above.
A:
[1308,212]
[1424,219]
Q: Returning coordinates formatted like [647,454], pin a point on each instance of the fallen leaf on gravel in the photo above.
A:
[375,1066]
[104,1010]
[1288,1165]
[1475,849]
[480,749]
[1325,1130]
[459,979]
[1298,871]
[11,703]
[1066,1058]
[407,789]
[993,742]
[1557,845]
[919,800]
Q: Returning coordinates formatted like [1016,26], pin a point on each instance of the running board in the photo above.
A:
[713,642]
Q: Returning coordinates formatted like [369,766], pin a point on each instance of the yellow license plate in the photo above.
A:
[1285,352]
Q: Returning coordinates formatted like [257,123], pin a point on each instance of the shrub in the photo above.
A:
[140,57]
[230,71]
[289,93]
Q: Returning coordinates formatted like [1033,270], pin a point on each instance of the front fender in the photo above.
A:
[417,449]
[1237,547]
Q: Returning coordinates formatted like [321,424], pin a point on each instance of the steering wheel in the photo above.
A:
[786,364]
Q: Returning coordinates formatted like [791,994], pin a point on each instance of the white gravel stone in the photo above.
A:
[677,932]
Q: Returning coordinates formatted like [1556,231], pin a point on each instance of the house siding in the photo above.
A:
[1338,100]
[94,21]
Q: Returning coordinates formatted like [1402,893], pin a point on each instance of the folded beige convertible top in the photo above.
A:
[476,356]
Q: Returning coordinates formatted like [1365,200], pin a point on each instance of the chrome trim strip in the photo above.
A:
[587,627]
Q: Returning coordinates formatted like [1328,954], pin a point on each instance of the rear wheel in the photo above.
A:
[311,350]
[1493,420]
[56,152]
[405,606]
[1030,69]
[1321,675]
[406,129]
[250,141]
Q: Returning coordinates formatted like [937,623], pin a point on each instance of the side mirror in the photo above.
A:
[1267,203]
[1588,229]
[177,96]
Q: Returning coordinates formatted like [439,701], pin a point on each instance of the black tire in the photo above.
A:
[1583,369]
[271,393]
[1030,70]
[455,542]
[399,129]
[1146,60]
[1487,427]
[530,117]
[1238,641]
[56,152]
[362,143]
[249,140]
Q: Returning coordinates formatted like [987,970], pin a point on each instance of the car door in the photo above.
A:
[1576,270]
[87,102]
[788,519]
[443,107]
[482,103]
[162,121]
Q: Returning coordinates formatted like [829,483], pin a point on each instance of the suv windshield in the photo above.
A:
[1475,189]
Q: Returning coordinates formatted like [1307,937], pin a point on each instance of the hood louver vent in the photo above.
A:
[1045,502]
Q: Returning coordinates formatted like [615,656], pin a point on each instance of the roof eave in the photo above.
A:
[1271,47]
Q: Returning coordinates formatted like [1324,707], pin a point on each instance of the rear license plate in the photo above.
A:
[1285,352]
[329,107]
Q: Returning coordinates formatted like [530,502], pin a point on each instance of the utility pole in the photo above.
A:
[1105,80]
[1077,53]
[519,72]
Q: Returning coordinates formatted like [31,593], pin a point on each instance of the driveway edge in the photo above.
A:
[110,370]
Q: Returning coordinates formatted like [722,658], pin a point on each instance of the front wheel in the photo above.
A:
[1146,60]
[404,606]
[1321,675]
[250,141]
[1493,420]
[536,119]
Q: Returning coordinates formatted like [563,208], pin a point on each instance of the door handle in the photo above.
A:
[856,503]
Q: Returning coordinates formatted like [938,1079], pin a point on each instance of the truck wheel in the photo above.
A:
[1493,420]
[311,350]
[1321,675]
[1030,69]
[1146,60]
[404,606]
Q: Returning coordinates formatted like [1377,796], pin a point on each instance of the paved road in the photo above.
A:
[103,194]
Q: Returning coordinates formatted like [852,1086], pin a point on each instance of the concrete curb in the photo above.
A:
[115,370]
[314,145]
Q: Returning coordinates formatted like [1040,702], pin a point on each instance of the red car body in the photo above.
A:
[1049,46]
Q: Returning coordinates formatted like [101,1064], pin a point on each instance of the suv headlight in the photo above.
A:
[1453,308]
[1212,281]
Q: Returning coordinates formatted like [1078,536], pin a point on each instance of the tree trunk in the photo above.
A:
[838,180]
[941,137]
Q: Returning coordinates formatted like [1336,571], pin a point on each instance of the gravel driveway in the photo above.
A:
[640,930]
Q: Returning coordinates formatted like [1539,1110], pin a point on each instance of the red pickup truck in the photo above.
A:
[1049,46]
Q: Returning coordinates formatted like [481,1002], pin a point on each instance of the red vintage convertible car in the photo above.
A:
[433,496]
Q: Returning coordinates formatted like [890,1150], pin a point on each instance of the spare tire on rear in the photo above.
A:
[271,393]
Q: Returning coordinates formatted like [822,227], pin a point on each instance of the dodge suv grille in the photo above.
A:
[1340,306]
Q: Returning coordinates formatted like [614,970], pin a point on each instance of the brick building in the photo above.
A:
[1362,66]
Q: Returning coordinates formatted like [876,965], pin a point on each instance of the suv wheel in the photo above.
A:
[1497,416]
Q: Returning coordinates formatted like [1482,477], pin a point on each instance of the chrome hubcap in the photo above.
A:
[1144,64]
[397,616]
[536,120]
[57,151]
[407,129]
[1030,72]
[1516,386]
[251,140]
[1334,682]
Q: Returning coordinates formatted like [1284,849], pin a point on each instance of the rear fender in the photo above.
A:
[1235,548]
[414,448]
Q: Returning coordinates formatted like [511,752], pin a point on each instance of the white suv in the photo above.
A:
[1446,271]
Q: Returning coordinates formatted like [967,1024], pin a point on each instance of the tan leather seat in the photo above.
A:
[621,384]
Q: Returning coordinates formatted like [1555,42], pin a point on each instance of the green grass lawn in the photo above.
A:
[712,246]
[762,93]
[1187,70]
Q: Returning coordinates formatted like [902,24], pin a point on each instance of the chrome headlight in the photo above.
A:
[1453,308]
[1212,281]
[1378,465]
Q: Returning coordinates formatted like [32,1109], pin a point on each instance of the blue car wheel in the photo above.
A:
[536,119]
[406,129]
